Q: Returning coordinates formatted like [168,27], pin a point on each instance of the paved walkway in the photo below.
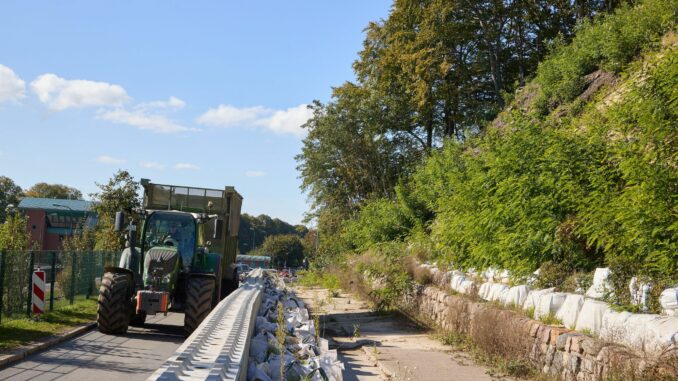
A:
[95,356]
[394,348]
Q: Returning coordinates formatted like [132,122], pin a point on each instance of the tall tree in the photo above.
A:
[44,190]
[10,193]
[284,250]
[118,194]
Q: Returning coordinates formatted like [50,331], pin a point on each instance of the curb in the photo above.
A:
[29,349]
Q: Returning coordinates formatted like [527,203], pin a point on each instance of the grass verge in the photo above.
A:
[15,332]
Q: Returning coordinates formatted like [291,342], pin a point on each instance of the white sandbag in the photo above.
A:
[254,373]
[484,291]
[497,292]
[533,278]
[532,298]
[258,347]
[613,327]
[640,292]
[669,301]
[261,324]
[665,331]
[649,333]
[600,286]
[466,286]
[549,303]
[568,312]
[516,295]
[457,278]
[504,276]
[489,274]
[590,317]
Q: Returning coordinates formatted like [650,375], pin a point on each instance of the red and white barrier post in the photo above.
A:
[38,292]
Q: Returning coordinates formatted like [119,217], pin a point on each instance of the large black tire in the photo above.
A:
[198,302]
[114,309]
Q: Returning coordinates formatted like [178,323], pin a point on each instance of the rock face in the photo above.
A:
[556,351]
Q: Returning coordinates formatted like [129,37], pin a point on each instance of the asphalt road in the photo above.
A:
[94,356]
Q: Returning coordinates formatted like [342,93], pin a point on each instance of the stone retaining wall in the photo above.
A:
[555,350]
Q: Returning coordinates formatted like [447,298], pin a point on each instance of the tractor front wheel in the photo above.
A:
[198,302]
[113,311]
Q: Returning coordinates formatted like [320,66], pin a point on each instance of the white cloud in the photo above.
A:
[288,121]
[255,173]
[186,166]
[173,103]
[59,93]
[143,120]
[109,160]
[278,121]
[151,165]
[12,88]
[227,115]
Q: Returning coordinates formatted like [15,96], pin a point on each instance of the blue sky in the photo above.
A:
[202,93]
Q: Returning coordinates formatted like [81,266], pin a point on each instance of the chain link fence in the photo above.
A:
[68,275]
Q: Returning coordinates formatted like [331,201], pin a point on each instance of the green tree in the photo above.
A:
[10,194]
[254,230]
[13,233]
[285,250]
[120,193]
[44,190]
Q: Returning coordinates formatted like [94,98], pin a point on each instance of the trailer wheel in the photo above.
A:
[113,311]
[198,302]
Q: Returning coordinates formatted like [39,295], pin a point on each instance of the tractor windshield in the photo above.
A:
[171,229]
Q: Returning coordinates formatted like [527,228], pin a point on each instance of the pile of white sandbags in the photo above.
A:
[585,313]
[304,355]
[644,332]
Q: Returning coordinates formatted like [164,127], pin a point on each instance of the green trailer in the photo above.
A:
[183,259]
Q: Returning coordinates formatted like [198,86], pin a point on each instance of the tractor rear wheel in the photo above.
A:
[113,311]
[198,302]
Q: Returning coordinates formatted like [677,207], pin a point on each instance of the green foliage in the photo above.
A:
[10,193]
[284,250]
[84,240]
[118,195]
[13,233]
[44,190]
[386,265]
[254,230]
[21,331]
[551,319]
[561,182]
[380,220]
[608,43]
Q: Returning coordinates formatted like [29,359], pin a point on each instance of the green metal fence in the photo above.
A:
[68,275]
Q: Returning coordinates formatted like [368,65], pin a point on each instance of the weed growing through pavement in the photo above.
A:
[356,330]
[280,334]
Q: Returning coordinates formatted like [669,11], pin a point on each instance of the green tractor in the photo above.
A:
[184,259]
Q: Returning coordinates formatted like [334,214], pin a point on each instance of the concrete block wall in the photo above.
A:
[557,351]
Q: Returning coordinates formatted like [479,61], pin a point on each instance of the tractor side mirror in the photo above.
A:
[218,228]
[119,221]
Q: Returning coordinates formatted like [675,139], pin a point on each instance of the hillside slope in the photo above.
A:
[580,169]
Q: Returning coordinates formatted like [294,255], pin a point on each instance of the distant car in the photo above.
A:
[243,268]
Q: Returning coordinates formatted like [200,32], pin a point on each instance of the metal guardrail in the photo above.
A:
[219,348]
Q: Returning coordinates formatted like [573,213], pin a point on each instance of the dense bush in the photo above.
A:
[593,187]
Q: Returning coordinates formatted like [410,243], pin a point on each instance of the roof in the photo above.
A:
[253,257]
[55,204]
